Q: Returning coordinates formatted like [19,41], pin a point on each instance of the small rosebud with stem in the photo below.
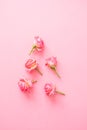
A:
[32,64]
[26,85]
[50,90]
[38,45]
[52,63]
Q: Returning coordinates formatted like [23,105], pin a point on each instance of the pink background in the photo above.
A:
[63,26]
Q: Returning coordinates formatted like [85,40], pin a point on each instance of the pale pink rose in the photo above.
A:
[38,44]
[32,64]
[52,63]
[50,90]
[26,85]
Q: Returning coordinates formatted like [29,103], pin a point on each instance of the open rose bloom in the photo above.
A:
[26,85]
[32,64]
[38,44]
[50,90]
[52,63]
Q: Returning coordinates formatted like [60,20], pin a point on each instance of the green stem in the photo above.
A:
[60,93]
[34,81]
[34,46]
[57,74]
[39,71]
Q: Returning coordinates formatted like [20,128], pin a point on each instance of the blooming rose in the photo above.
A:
[32,64]
[51,90]
[52,63]
[25,85]
[38,44]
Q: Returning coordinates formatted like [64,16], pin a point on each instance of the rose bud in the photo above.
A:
[32,64]
[26,85]
[38,44]
[51,90]
[52,63]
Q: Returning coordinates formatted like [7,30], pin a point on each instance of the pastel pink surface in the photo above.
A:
[63,26]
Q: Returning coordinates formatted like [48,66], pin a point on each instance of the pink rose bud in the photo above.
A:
[38,44]
[32,64]
[25,85]
[52,63]
[50,90]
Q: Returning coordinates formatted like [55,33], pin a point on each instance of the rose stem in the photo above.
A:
[34,81]
[39,71]
[60,93]
[34,46]
[57,74]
